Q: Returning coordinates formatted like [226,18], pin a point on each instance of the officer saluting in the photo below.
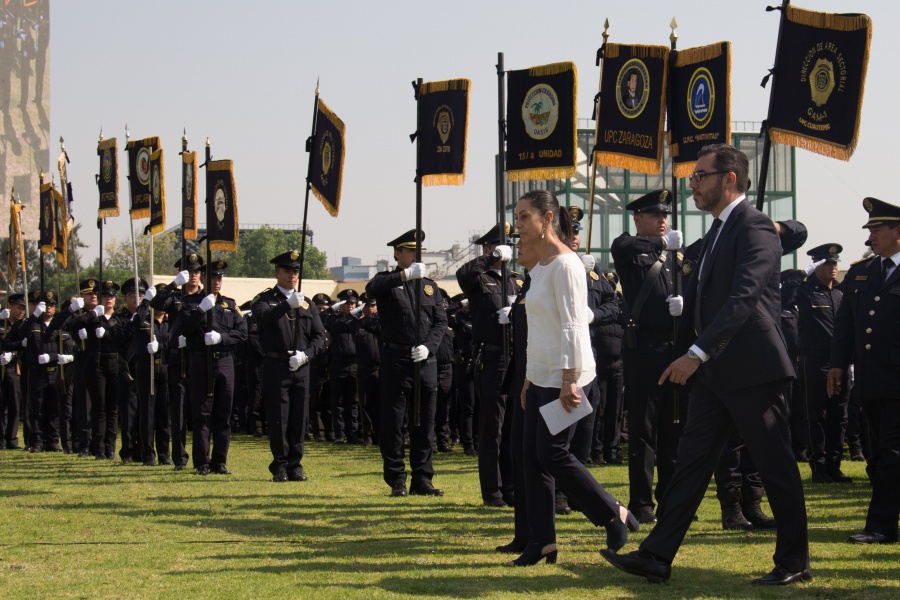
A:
[866,330]
[290,335]
[395,292]
[210,413]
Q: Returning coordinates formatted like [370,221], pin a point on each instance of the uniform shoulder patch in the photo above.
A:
[429,290]
[594,276]
[688,267]
[862,260]
[305,305]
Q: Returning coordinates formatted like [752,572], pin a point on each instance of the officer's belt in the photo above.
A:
[103,354]
[158,361]
[660,336]
[490,347]
[277,355]
[216,355]
[400,347]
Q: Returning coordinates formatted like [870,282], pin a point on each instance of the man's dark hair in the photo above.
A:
[729,159]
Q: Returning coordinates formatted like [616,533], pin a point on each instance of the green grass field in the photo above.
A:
[78,528]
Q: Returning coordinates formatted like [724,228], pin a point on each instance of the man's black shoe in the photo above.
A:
[165,461]
[84,452]
[639,563]
[280,477]
[857,456]
[496,503]
[149,463]
[645,516]
[562,506]
[179,468]
[469,451]
[126,460]
[444,447]
[821,477]
[870,537]
[425,489]
[398,490]
[838,476]
[221,470]
[296,476]
[202,471]
[36,449]
[781,576]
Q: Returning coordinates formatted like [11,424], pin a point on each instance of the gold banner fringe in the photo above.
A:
[823,20]
[331,210]
[444,179]
[684,169]
[339,125]
[62,257]
[540,174]
[141,213]
[107,213]
[638,50]
[444,86]
[830,149]
[148,141]
[110,143]
[552,69]
[690,56]
[641,165]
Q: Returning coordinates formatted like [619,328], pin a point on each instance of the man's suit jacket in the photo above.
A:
[737,320]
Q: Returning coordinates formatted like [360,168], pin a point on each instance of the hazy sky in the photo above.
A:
[244,73]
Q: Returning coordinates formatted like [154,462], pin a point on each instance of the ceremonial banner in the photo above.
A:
[632,107]
[108,180]
[16,243]
[189,195]
[327,156]
[61,228]
[46,226]
[818,94]
[157,193]
[221,206]
[541,122]
[443,122]
[139,174]
[700,103]
[65,186]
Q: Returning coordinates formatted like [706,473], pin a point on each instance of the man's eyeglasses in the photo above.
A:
[697,176]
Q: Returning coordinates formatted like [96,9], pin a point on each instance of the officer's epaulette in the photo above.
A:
[864,259]
[516,273]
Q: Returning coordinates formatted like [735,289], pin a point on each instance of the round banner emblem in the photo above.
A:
[633,85]
[701,98]
[142,166]
[821,83]
[220,202]
[540,111]
[443,122]
[107,165]
[189,182]
[155,186]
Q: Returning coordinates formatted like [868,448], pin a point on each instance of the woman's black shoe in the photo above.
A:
[535,553]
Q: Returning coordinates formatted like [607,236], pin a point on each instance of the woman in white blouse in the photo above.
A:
[560,365]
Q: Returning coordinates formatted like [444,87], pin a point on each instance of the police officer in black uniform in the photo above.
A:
[818,300]
[445,386]
[14,315]
[395,291]
[291,334]
[320,422]
[866,330]
[342,367]
[256,411]
[650,309]
[460,320]
[44,360]
[129,423]
[150,351]
[367,332]
[610,385]
[212,325]
[481,281]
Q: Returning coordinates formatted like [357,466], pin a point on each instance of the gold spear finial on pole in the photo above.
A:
[605,30]
[184,136]
[207,141]
[673,36]
[127,133]
[101,134]
[317,86]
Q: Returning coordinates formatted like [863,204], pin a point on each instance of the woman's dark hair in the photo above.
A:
[543,201]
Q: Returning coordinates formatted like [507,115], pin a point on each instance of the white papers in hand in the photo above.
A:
[558,418]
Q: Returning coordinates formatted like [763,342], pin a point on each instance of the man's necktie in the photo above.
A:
[886,265]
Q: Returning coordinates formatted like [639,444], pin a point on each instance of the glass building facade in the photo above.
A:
[614,188]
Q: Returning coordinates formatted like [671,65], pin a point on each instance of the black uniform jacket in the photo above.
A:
[283,329]
[484,290]
[226,319]
[396,310]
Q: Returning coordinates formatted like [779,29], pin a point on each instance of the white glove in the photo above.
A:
[99,310]
[207,303]
[43,359]
[4,314]
[182,278]
[39,309]
[419,353]
[415,271]
[64,359]
[82,333]
[297,360]
[810,268]
[150,294]
[337,305]
[100,332]
[24,342]
[76,304]
[505,252]
[182,341]
[503,315]
[676,305]
[589,262]
[153,346]
[674,239]
[296,299]
[211,338]
[5,358]
[247,314]
[356,311]
[464,302]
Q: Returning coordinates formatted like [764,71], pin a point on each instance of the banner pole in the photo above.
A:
[210,388]
[310,146]
[676,273]
[417,284]
[767,142]
[593,170]
[501,196]
[184,168]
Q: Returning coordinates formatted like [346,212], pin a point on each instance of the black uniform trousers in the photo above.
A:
[153,410]
[761,419]
[465,403]
[257,418]
[344,406]
[549,464]
[495,471]
[368,382]
[65,389]
[826,417]
[210,415]
[652,432]
[81,407]
[883,415]
[397,396]
[611,409]
[129,427]
[12,399]
[101,369]
[43,403]
[286,394]
[176,367]
[320,421]
[444,400]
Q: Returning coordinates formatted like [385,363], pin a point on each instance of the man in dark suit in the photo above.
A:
[866,330]
[738,366]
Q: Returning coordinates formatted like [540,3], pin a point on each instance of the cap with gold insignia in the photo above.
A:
[493,236]
[829,252]
[128,286]
[880,213]
[408,239]
[48,298]
[350,295]
[108,288]
[656,201]
[321,299]
[17,299]
[612,277]
[364,299]
[217,267]
[89,286]
[576,213]
[288,260]
[192,262]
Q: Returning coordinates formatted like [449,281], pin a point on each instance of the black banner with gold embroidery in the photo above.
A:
[16,254]
[700,102]
[189,195]
[327,156]
[139,174]
[632,107]
[443,125]
[108,179]
[61,228]
[157,193]
[819,81]
[221,206]
[541,122]
[47,225]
